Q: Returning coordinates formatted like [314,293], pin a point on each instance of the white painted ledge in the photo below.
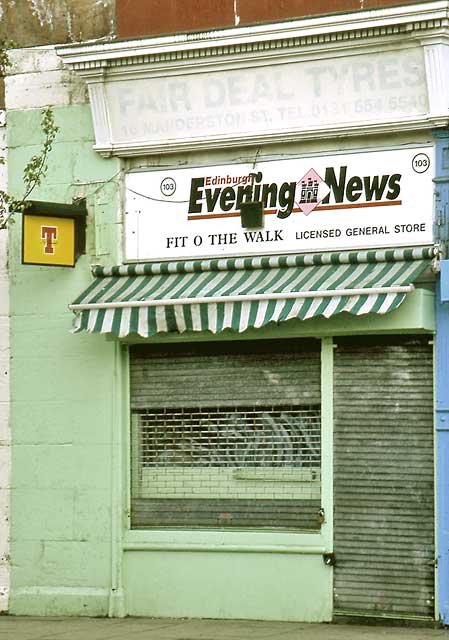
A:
[378,21]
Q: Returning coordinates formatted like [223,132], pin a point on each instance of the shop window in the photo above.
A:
[226,435]
[227,467]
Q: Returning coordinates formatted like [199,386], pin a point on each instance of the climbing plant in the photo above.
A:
[34,172]
[36,168]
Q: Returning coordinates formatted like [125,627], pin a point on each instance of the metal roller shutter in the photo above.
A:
[226,435]
[383,483]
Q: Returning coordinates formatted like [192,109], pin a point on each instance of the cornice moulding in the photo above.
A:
[170,65]
[350,74]
[410,21]
[223,142]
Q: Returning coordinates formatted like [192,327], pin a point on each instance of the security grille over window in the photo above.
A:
[233,467]
[226,436]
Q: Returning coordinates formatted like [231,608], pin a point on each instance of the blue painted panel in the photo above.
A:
[441,180]
[444,264]
[442,453]
[443,524]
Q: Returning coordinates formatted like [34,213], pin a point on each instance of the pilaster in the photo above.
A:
[442,379]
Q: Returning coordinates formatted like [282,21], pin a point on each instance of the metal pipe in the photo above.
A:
[226,548]
[288,295]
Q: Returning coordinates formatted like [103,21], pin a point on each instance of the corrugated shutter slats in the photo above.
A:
[217,376]
[384,509]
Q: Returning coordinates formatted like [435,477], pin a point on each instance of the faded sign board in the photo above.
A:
[376,198]
[289,96]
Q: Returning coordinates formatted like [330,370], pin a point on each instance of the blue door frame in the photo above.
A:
[441,235]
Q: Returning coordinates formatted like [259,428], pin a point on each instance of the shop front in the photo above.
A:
[286,431]
[272,315]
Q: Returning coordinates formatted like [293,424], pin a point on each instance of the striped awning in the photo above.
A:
[241,293]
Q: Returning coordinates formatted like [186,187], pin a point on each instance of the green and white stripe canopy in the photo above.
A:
[241,293]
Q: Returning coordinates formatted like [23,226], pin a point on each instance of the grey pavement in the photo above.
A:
[31,628]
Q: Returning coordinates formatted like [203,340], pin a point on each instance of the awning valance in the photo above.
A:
[241,293]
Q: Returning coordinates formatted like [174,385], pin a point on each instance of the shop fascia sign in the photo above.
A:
[303,79]
[371,198]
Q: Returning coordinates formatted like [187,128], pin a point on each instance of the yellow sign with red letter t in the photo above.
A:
[48,240]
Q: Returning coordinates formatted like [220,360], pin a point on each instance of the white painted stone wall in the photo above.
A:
[37,78]
[5,435]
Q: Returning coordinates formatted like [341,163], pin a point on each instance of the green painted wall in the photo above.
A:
[71,550]
[265,575]
[62,393]
[264,586]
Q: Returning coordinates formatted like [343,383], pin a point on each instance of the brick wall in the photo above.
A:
[137,18]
